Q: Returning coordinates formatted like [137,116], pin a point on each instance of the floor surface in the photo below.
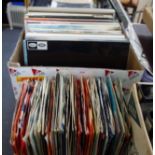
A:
[9,40]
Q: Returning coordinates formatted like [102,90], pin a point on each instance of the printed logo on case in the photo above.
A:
[32,45]
[42,45]
[37,45]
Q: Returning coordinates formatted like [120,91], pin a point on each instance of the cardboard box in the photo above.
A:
[141,140]
[18,72]
[148,17]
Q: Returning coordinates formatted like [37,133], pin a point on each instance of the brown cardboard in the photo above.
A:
[133,62]
[140,136]
[18,72]
[148,17]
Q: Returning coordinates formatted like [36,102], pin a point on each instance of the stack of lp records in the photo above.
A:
[74,38]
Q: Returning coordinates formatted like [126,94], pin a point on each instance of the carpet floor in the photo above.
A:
[9,40]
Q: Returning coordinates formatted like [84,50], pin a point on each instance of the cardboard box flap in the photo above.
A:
[16,58]
[140,136]
[133,62]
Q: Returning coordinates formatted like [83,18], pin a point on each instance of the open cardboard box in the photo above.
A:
[141,141]
[133,73]
[18,72]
